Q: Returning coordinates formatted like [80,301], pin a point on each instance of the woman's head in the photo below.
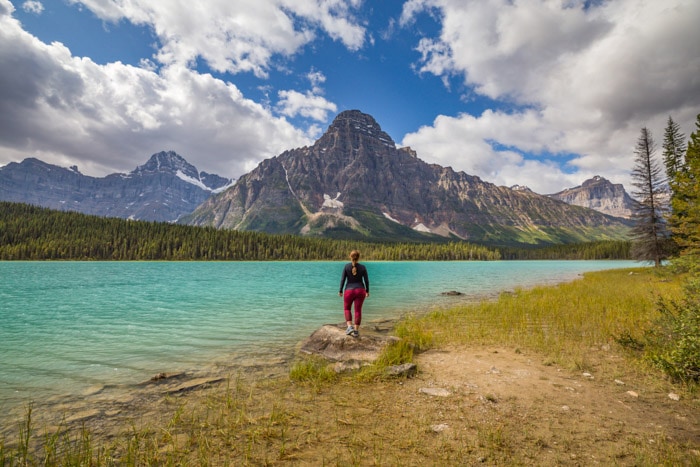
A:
[354,257]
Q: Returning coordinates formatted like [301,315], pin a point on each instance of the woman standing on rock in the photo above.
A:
[356,283]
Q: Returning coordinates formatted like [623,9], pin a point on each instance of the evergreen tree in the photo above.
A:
[685,204]
[649,231]
[673,149]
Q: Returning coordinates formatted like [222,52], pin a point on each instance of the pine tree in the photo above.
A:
[673,149]
[649,231]
[685,204]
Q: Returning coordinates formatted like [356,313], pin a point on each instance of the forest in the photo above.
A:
[34,233]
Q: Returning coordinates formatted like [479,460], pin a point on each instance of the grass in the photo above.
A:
[317,417]
[560,323]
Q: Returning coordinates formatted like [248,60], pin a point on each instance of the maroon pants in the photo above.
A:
[350,297]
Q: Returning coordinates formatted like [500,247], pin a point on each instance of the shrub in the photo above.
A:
[673,342]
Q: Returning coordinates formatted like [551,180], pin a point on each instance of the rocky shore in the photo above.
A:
[106,409]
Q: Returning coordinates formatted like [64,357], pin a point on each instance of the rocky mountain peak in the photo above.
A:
[162,189]
[355,183]
[167,161]
[352,130]
[599,194]
[597,180]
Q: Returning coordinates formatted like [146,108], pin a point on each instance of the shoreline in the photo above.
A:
[111,404]
[473,401]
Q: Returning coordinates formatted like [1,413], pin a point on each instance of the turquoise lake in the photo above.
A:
[67,326]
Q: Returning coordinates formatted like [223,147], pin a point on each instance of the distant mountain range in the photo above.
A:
[354,183]
[601,195]
[163,189]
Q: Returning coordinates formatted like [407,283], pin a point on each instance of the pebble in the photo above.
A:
[565,408]
[439,428]
[440,392]
[673,396]
[619,383]
[588,375]
[632,394]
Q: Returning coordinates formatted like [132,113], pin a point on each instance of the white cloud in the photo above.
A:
[235,37]
[68,110]
[308,105]
[316,78]
[594,74]
[32,6]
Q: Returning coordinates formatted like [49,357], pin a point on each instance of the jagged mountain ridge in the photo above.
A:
[354,182]
[601,195]
[163,189]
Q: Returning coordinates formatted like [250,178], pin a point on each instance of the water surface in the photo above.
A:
[70,325]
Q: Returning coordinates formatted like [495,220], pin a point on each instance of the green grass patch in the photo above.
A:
[563,322]
[313,369]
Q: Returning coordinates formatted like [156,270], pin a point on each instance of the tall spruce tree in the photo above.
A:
[673,149]
[649,231]
[673,343]
[685,204]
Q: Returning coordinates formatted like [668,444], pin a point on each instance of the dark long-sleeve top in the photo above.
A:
[359,281]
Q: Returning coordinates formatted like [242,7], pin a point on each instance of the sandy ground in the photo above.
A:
[567,416]
[466,406]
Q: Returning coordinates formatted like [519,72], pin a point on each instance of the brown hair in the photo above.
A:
[354,257]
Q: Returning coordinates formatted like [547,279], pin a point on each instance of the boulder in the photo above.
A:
[407,370]
[331,342]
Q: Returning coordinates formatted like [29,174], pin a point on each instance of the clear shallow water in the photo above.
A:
[66,326]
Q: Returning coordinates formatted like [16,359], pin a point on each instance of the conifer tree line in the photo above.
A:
[672,342]
[667,216]
[34,233]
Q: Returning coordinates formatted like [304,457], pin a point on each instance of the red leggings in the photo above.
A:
[356,296]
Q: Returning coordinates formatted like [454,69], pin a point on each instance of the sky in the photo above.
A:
[540,93]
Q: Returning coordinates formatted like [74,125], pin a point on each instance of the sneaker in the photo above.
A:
[349,330]
[355,333]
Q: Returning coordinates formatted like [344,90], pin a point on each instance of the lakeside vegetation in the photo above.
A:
[34,233]
[308,418]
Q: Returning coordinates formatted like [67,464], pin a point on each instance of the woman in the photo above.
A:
[356,283]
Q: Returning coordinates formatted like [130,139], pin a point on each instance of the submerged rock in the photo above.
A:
[194,384]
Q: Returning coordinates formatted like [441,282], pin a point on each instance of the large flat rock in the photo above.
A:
[331,342]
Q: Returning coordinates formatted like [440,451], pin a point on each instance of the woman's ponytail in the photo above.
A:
[354,257]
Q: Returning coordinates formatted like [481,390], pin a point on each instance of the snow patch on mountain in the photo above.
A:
[182,176]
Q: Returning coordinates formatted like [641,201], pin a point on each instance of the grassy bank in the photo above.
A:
[561,323]
[315,417]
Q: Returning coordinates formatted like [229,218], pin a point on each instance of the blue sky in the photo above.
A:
[543,93]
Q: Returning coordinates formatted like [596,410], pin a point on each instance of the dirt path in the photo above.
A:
[567,416]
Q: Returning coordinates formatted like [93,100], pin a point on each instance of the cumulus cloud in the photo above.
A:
[111,117]
[32,6]
[235,37]
[308,105]
[583,79]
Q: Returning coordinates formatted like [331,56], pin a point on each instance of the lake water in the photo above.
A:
[66,326]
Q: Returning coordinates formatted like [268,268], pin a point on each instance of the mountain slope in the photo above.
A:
[601,195]
[163,189]
[354,182]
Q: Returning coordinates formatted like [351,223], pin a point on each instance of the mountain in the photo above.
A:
[354,183]
[601,195]
[163,189]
